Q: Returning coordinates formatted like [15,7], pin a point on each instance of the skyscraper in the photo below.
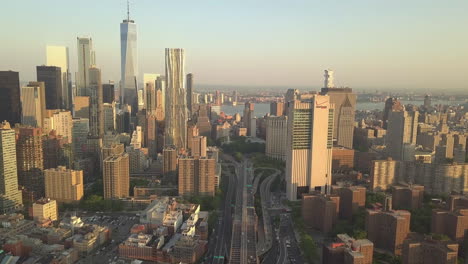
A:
[248,117]
[190,91]
[80,132]
[52,78]
[108,92]
[116,176]
[176,105]
[96,114]
[196,176]
[33,104]
[58,56]
[402,130]
[128,61]
[328,83]
[86,59]
[309,146]
[64,185]
[10,105]
[10,196]
[30,160]
[148,78]
[345,107]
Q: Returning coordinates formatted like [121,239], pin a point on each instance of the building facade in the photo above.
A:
[10,196]
[175,101]
[63,185]
[309,146]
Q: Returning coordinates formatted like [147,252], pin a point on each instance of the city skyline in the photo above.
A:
[370,45]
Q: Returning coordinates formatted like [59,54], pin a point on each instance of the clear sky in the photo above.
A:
[377,44]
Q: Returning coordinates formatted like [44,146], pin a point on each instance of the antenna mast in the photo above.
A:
[128,10]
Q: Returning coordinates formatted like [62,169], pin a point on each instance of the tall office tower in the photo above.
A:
[276,108]
[170,160]
[148,78]
[10,101]
[86,59]
[427,101]
[248,116]
[58,56]
[234,97]
[161,86]
[345,107]
[96,114]
[41,98]
[176,106]
[196,176]
[61,121]
[276,137]
[30,160]
[128,62]
[108,92]
[190,90]
[109,115]
[391,104]
[64,185]
[402,129]
[141,100]
[80,133]
[151,136]
[388,229]
[33,104]
[116,176]
[150,96]
[218,98]
[309,146]
[52,78]
[10,196]
[328,83]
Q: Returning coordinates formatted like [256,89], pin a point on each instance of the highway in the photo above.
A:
[220,243]
[244,237]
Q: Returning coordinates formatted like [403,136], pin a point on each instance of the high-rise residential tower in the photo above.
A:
[176,105]
[345,106]
[309,146]
[116,176]
[10,196]
[10,104]
[58,56]
[30,160]
[128,61]
[190,90]
[86,59]
[52,77]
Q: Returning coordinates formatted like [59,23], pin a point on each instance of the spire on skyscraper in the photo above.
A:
[128,10]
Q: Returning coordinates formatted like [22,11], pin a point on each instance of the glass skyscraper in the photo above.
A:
[86,59]
[128,62]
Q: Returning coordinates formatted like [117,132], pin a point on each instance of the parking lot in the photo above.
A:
[120,224]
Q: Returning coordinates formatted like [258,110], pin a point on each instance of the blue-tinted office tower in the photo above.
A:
[128,62]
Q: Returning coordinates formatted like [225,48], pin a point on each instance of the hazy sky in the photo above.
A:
[369,43]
